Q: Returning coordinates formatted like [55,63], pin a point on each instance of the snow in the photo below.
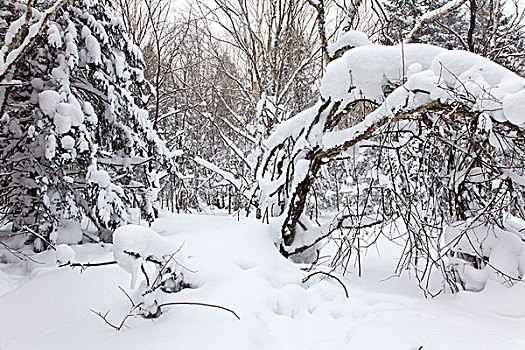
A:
[456,65]
[53,36]
[132,240]
[134,216]
[226,175]
[291,127]
[238,267]
[67,232]
[414,68]
[120,66]
[65,115]
[363,71]
[123,161]
[67,142]
[260,105]
[13,30]
[72,112]
[34,30]
[350,39]
[51,144]
[88,108]
[31,131]
[399,80]
[428,16]
[433,74]
[64,254]
[514,107]
[47,101]
[93,49]
[62,123]
[83,146]
[100,177]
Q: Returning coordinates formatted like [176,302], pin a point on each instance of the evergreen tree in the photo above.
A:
[404,15]
[479,26]
[75,140]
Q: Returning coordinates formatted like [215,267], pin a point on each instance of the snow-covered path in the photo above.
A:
[239,268]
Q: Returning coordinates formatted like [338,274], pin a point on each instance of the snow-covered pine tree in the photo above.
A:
[482,27]
[404,15]
[75,141]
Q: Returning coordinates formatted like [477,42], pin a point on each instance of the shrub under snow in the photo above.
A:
[156,262]
[480,252]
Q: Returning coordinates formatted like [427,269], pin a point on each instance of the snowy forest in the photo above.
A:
[262,174]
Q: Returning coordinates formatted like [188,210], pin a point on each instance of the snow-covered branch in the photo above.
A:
[432,16]
[226,175]
[10,57]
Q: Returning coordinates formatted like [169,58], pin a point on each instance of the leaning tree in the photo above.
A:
[437,142]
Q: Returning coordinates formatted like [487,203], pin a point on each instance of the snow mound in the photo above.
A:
[62,123]
[514,107]
[100,177]
[134,245]
[67,142]
[481,252]
[64,254]
[47,101]
[362,72]
[349,40]
[67,232]
[72,112]
[141,240]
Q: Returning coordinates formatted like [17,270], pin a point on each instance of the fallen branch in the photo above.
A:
[159,311]
[200,304]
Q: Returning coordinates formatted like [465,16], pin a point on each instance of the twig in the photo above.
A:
[104,317]
[329,275]
[159,311]
[39,236]
[127,295]
[163,267]
[86,265]
[17,252]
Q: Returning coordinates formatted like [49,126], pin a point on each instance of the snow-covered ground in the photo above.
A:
[46,307]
